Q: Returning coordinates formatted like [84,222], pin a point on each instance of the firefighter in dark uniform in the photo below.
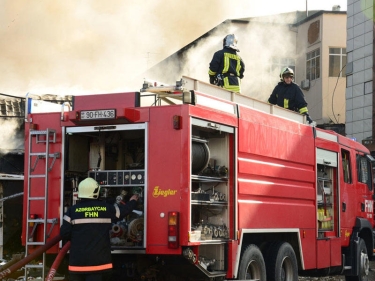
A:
[289,95]
[227,68]
[87,225]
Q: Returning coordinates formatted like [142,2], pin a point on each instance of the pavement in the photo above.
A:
[371,276]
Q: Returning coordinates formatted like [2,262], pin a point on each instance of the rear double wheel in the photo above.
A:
[281,262]
[252,266]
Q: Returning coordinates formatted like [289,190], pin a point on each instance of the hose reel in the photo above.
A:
[200,155]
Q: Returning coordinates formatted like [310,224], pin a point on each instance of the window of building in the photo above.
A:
[313,32]
[337,62]
[277,64]
[313,65]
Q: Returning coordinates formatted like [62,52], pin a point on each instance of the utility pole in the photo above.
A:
[307,11]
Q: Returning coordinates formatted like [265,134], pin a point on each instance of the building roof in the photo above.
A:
[295,18]
[317,14]
[11,106]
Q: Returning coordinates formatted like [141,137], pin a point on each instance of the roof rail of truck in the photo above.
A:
[186,90]
[181,92]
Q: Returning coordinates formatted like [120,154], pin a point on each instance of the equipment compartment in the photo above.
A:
[210,192]
[326,171]
[115,158]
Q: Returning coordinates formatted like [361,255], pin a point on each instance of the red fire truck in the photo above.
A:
[230,187]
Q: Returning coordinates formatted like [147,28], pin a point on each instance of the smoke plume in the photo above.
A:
[80,47]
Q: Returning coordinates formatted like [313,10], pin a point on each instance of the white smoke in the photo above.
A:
[70,47]
[11,136]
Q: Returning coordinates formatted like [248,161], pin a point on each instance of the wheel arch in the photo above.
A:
[261,238]
[363,229]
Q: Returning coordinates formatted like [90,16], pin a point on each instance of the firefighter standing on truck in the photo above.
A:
[226,67]
[289,95]
[87,225]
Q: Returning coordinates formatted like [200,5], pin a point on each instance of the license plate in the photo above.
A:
[98,114]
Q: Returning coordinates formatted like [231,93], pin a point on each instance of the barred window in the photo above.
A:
[313,65]
[337,62]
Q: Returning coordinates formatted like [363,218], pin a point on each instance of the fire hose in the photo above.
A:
[30,257]
[57,261]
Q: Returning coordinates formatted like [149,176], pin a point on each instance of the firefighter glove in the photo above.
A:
[308,118]
[212,79]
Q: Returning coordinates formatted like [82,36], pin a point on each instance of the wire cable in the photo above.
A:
[333,94]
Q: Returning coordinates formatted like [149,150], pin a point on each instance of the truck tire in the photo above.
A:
[281,262]
[252,264]
[363,262]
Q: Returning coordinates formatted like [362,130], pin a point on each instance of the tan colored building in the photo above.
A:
[320,67]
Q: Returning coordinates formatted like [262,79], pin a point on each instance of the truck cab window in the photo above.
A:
[364,171]
[347,172]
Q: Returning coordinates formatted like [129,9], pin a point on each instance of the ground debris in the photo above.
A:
[329,278]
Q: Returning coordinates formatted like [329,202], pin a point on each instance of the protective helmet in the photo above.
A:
[230,41]
[88,188]
[286,71]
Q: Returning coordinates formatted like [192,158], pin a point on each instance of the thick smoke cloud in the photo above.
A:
[78,47]
[11,136]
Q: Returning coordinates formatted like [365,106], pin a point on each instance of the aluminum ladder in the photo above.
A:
[37,190]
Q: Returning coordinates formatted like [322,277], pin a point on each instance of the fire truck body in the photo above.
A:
[229,187]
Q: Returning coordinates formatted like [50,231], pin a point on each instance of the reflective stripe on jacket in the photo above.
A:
[230,65]
[87,225]
[289,96]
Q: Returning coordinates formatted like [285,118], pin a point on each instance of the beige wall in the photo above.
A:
[322,91]
[334,35]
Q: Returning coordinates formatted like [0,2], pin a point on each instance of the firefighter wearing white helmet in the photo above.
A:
[288,95]
[88,188]
[86,225]
[286,71]
[226,67]
[230,41]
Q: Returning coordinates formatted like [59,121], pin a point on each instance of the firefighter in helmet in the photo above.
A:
[86,225]
[226,67]
[288,95]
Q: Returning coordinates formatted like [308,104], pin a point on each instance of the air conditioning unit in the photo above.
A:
[305,84]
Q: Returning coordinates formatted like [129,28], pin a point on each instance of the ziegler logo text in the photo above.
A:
[164,193]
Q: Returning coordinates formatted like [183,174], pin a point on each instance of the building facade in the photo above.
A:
[360,72]
[321,64]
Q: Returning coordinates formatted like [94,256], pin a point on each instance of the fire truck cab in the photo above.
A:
[230,187]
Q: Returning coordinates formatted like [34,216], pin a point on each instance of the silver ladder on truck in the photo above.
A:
[37,193]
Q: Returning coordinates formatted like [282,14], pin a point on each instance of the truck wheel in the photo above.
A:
[363,262]
[252,264]
[281,262]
